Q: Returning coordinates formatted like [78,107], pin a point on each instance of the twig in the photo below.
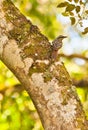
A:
[74,56]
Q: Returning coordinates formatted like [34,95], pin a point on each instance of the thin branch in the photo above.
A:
[74,56]
[80,83]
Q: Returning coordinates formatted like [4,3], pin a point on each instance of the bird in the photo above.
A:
[56,45]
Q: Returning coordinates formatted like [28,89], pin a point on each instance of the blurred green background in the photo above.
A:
[17,111]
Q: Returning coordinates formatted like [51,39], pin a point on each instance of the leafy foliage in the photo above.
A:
[77,11]
[85,30]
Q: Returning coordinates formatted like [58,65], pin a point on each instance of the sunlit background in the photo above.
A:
[17,111]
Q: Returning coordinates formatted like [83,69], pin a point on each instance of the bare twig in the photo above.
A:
[74,56]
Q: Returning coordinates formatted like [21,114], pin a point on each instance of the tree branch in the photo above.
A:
[26,52]
[80,83]
[74,56]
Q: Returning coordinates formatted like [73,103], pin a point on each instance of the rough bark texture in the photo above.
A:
[26,52]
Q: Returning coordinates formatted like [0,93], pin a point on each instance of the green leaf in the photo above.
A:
[76,1]
[71,13]
[85,30]
[79,16]
[63,4]
[81,3]
[86,11]
[77,9]
[81,24]
[65,14]
[70,0]
[70,7]
[72,20]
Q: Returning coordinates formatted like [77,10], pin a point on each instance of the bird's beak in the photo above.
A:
[64,36]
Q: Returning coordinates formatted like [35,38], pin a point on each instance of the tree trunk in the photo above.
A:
[27,53]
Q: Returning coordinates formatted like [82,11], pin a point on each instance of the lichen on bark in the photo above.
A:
[28,37]
[21,25]
[27,53]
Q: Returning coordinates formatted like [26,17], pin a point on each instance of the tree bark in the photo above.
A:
[27,53]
